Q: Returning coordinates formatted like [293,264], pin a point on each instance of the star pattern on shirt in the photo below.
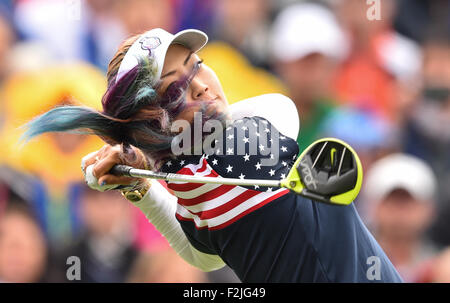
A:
[249,147]
[246,157]
[246,152]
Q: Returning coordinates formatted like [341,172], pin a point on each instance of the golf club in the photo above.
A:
[328,171]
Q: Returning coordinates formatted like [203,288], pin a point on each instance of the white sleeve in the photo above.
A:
[159,206]
[278,109]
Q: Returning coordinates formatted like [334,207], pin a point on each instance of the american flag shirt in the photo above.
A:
[264,234]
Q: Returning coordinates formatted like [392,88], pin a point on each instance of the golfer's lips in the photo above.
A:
[208,105]
[211,104]
[211,100]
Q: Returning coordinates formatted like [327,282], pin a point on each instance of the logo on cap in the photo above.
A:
[149,43]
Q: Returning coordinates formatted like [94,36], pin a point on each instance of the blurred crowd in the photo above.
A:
[375,74]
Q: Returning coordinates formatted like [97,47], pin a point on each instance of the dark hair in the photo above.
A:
[133,112]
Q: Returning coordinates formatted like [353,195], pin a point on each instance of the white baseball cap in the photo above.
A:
[306,28]
[400,56]
[400,171]
[155,43]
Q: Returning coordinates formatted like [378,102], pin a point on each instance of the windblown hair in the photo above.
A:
[133,112]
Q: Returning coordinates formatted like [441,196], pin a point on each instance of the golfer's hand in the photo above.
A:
[99,164]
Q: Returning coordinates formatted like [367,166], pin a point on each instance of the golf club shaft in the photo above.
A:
[125,170]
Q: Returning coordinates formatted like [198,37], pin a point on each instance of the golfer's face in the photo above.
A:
[204,92]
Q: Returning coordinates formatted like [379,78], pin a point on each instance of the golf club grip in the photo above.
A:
[121,170]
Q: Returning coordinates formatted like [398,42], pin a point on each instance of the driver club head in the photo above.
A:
[329,171]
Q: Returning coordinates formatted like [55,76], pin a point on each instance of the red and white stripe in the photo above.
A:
[215,206]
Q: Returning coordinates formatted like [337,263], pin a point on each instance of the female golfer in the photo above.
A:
[157,85]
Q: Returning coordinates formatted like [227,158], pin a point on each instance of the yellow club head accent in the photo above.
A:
[334,179]
[332,153]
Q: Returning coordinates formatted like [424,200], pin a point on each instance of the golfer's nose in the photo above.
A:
[200,90]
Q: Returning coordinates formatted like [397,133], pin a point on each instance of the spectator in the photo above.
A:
[23,251]
[105,248]
[84,30]
[413,18]
[103,31]
[199,14]
[378,57]
[245,26]
[400,191]
[139,15]
[7,38]
[14,186]
[436,270]
[427,128]
[307,44]
[54,160]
